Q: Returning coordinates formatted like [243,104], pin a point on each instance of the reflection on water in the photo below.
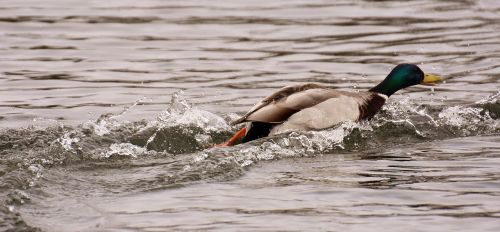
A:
[95,82]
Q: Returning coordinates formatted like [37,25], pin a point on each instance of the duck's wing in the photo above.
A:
[279,106]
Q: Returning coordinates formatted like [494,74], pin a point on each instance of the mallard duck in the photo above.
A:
[304,107]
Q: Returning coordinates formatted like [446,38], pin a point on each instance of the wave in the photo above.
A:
[178,144]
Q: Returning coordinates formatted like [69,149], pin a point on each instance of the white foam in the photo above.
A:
[460,116]
[490,99]
[125,149]
[296,144]
[180,113]
[67,141]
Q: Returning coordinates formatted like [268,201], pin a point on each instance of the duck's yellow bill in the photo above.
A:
[431,79]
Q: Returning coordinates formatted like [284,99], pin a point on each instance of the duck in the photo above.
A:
[310,106]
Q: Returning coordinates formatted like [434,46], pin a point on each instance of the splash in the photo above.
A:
[108,122]
[182,128]
[125,149]
[490,99]
[67,141]
[103,125]
[293,144]
[473,120]
[180,113]
[399,123]
[460,116]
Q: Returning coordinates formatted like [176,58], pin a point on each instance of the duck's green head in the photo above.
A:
[402,76]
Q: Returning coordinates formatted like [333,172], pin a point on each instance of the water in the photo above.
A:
[108,111]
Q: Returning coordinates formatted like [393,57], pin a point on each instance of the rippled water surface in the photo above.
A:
[108,110]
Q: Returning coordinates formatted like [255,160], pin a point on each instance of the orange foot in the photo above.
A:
[236,137]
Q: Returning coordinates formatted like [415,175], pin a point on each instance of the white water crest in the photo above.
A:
[293,144]
[181,113]
[460,116]
[68,140]
[470,119]
[490,99]
[125,149]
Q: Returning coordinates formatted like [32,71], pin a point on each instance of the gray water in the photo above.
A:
[109,110]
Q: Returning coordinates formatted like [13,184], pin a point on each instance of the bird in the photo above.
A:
[310,106]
